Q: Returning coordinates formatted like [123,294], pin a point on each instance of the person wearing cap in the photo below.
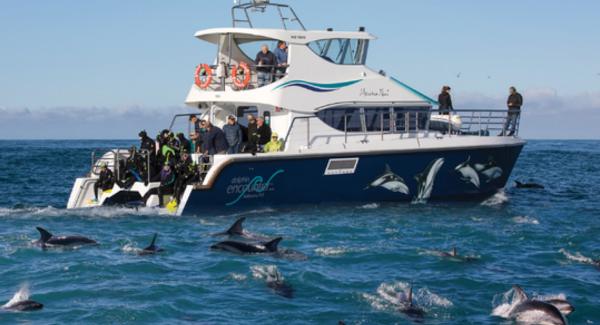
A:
[445,100]
[167,180]
[106,180]
[274,145]
[184,144]
[263,131]
[148,144]
[215,141]
[233,133]
[252,127]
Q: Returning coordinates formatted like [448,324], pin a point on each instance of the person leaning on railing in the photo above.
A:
[282,58]
[265,60]
[445,100]
[514,102]
[216,142]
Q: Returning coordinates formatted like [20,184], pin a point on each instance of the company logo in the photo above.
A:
[253,189]
[316,87]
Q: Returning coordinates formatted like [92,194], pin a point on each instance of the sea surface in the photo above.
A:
[355,259]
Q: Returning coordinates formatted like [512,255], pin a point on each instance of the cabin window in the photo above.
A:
[334,117]
[369,119]
[373,118]
[341,51]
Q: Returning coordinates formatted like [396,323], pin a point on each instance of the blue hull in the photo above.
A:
[298,181]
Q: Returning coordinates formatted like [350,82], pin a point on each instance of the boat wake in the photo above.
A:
[496,199]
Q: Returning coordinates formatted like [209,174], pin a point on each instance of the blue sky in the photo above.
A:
[82,69]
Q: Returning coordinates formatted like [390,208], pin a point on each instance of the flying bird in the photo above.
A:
[458,75]
[489,77]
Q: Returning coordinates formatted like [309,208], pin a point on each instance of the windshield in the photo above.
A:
[341,51]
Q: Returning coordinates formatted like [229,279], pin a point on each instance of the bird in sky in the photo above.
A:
[458,75]
[489,77]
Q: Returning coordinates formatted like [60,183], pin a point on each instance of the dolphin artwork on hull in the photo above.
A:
[425,180]
[48,240]
[490,169]
[469,174]
[535,311]
[390,181]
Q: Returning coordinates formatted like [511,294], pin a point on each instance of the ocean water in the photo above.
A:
[357,258]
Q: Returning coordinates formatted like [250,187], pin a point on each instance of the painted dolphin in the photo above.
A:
[280,287]
[47,239]
[535,311]
[150,249]
[238,247]
[238,231]
[390,181]
[521,185]
[25,305]
[490,169]
[425,180]
[468,172]
[408,308]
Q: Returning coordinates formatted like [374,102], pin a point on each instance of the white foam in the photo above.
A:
[370,206]
[129,248]
[21,295]
[577,257]
[496,199]
[376,302]
[264,271]
[238,276]
[332,251]
[422,296]
[526,219]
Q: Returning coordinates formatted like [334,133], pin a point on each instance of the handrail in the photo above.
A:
[116,155]
[495,118]
[258,5]
[272,73]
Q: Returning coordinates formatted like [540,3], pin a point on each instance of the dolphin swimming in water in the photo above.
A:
[406,306]
[535,311]
[468,172]
[425,180]
[562,305]
[521,185]
[25,305]
[150,249]
[490,169]
[390,181]
[238,231]
[454,256]
[238,247]
[47,239]
[280,287]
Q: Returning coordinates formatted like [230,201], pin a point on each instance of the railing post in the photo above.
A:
[381,126]
[503,121]
[345,129]
[407,122]
[479,123]
[449,126]
[307,133]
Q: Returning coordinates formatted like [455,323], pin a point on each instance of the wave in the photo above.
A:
[577,257]
[331,251]
[370,206]
[526,219]
[496,199]
[238,276]
[264,271]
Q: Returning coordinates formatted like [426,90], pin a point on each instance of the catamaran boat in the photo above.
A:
[351,134]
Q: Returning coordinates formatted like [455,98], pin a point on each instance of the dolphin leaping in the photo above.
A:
[469,175]
[390,181]
[490,169]
[425,180]
[535,311]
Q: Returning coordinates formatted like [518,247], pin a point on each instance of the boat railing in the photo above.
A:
[218,83]
[368,125]
[112,161]
[261,6]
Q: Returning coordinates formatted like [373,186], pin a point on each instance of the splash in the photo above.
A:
[423,297]
[238,276]
[370,206]
[332,251]
[264,271]
[502,303]
[496,199]
[526,219]
[577,257]
[21,295]
[129,248]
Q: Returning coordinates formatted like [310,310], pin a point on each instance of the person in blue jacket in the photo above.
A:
[281,55]
[167,181]
[215,140]
[233,133]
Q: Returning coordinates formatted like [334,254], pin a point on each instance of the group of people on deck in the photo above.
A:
[514,102]
[267,61]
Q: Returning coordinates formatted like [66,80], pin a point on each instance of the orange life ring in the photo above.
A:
[204,70]
[243,70]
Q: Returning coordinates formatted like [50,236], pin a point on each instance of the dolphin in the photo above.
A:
[150,249]
[406,306]
[239,247]
[535,311]
[25,305]
[280,287]
[47,239]
[390,181]
[521,185]
[426,178]
[490,169]
[562,305]
[468,172]
[454,256]
[238,231]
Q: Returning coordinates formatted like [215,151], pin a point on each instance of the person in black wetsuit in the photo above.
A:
[147,143]
[106,179]
[184,144]
[190,175]
[445,100]
[167,180]
[132,169]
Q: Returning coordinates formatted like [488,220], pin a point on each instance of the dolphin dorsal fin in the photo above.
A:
[272,245]
[518,183]
[519,292]
[410,293]
[453,251]
[387,168]
[237,227]
[153,239]
[45,235]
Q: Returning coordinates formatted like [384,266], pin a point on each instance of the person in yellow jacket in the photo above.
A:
[274,145]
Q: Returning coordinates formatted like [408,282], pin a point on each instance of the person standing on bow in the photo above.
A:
[514,102]
[233,133]
[266,61]
[445,100]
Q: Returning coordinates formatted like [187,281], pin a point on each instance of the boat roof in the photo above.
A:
[290,36]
